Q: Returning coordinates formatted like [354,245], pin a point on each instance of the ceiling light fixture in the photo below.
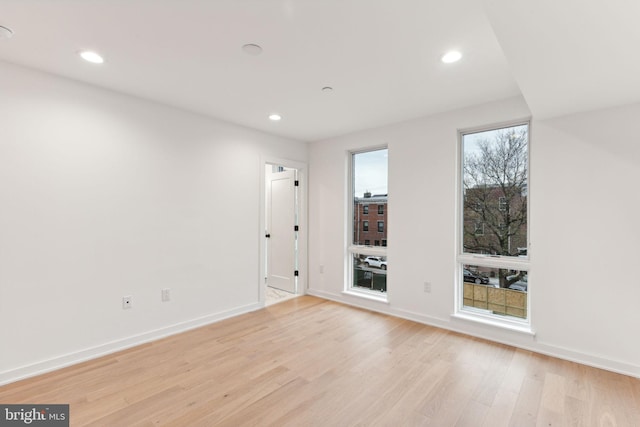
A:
[5,33]
[252,49]
[92,57]
[275,117]
[451,56]
[327,89]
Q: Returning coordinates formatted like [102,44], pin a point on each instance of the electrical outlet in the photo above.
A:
[126,302]
[166,295]
[427,287]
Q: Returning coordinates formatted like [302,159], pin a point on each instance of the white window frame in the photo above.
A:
[353,249]
[520,263]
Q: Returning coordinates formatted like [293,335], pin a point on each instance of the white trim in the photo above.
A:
[499,335]
[503,262]
[495,261]
[303,257]
[367,250]
[352,249]
[492,320]
[69,359]
[377,296]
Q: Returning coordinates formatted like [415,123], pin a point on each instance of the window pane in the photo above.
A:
[370,272]
[495,172]
[369,188]
[498,291]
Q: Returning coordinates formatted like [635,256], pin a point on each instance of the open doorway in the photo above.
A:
[283,248]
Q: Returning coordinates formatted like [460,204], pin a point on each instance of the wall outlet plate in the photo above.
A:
[427,287]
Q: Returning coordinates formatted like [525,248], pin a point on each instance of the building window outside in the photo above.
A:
[384,242]
[478,228]
[502,204]
[367,265]
[493,272]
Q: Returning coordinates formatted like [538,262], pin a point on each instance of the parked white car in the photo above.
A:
[376,261]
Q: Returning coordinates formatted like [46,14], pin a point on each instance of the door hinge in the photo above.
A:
[295,273]
[295,228]
[296,183]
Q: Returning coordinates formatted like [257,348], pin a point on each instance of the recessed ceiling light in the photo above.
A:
[327,89]
[252,49]
[275,117]
[451,56]
[92,57]
[5,33]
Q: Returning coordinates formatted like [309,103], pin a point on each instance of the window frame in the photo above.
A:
[353,250]
[521,263]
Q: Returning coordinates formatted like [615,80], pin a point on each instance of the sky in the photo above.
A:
[370,172]
[471,140]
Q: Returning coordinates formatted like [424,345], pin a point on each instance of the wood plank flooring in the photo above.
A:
[311,362]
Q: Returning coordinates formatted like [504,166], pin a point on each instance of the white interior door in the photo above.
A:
[281,224]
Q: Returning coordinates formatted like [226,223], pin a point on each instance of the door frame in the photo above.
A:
[303,275]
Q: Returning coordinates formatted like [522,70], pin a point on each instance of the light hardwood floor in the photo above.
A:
[311,362]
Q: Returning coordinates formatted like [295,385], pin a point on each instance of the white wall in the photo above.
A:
[104,195]
[583,192]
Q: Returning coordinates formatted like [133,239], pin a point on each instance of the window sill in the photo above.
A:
[367,295]
[498,323]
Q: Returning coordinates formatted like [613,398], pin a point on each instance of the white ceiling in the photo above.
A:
[382,57]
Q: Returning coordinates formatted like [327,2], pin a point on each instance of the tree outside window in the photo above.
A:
[493,258]
[495,174]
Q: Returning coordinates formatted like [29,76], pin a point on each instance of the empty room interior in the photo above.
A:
[199,201]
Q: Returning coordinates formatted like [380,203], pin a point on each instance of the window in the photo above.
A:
[493,278]
[367,265]
[502,204]
[478,229]
[380,209]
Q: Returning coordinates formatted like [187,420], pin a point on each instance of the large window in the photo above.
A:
[492,261]
[367,265]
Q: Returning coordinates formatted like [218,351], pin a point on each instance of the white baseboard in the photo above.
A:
[503,337]
[59,362]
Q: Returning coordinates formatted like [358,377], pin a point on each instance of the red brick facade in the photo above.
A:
[370,220]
